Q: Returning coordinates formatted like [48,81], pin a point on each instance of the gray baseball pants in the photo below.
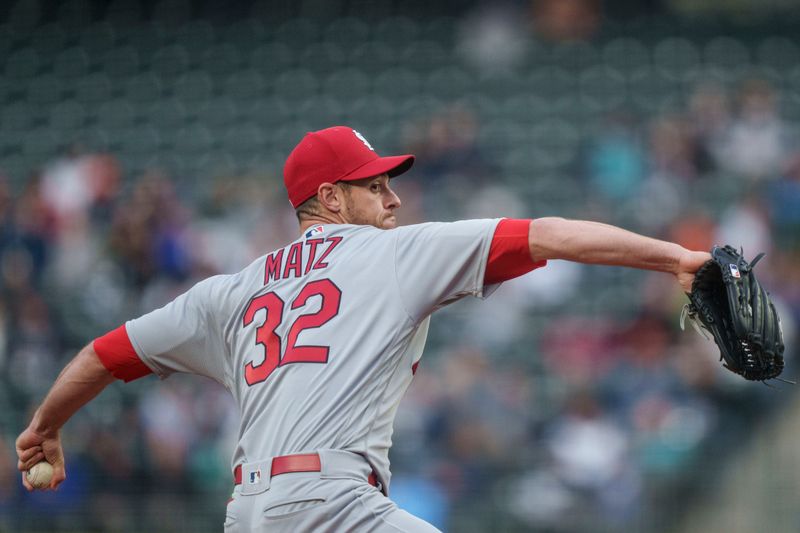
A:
[336,499]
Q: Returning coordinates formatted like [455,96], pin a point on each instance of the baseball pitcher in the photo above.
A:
[319,340]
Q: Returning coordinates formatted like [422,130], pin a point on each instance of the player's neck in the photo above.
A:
[322,218]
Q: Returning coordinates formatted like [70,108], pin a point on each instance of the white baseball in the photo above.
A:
[40,475]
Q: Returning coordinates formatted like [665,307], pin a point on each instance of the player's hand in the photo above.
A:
[688,264]
[33,448]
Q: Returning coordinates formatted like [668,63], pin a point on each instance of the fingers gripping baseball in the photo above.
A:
[33,448]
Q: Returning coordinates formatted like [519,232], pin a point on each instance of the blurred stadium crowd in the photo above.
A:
[142,149]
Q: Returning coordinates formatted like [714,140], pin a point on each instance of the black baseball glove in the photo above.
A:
[728,301]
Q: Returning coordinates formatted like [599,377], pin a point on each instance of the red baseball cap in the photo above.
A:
[335,154]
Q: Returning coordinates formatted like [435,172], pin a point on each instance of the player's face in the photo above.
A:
[371,202]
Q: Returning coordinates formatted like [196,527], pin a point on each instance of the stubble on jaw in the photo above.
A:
[357,215]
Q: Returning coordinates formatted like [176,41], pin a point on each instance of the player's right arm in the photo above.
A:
[80,381]
[179,337]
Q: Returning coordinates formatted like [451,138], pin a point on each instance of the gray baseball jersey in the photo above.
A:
[317,340]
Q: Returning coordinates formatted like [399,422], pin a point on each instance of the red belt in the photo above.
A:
[287,464]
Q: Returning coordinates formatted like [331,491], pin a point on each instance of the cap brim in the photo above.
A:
[392,165]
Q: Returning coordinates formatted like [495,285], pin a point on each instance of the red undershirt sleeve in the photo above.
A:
[509,254]
[118,355]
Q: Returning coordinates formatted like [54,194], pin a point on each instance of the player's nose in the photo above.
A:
[392,200]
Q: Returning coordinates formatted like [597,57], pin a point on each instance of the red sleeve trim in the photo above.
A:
[118,355]
[510,254]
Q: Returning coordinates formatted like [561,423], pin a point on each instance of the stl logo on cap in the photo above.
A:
[363,140]
[338,153]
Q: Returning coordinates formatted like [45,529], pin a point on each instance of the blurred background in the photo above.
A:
[141,150]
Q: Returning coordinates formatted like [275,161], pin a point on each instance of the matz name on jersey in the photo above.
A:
[295,263]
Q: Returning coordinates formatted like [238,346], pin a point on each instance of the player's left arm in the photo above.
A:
[602,244]
[80,381]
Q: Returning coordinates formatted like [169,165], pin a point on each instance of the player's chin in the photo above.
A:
[389,222]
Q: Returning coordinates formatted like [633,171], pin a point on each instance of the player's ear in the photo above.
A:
[329,196]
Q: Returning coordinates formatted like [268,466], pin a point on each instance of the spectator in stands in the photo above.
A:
[757,143]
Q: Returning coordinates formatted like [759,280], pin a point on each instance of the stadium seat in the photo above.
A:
[675,55]
[44,89]
[114,115]
[245,85]
[484,107]
[272,58]
[439,29]
[9,92]
[323,110]
[418,107]
[521,107]
[71,63]
[144,88]
[448,83]
[557,86]
[24,14]
[424,56]
[74,14]
[16,166]
[68,115]
[91,138]
[711,73]
[602,88]
[497,136]
[395,30]
[346,32]
[296,85]
[296,33]
[194,140]
[97,39]
[41,144]
[322,57]
[22,64]
[397,83]
[243,139]
[245,35]
[780,53]
[372,56]
[170,62]
[167,115]
[121,62]
[138,140]
[650,88]
[218,113]
[194,87]
[626,53]
[727,53]
[220,60]
[18,117]
[553,142]
[574,55]
[47,39]
[346,83]
[195,37]
[173,12]
[146,39]
[123,12]
[269,113]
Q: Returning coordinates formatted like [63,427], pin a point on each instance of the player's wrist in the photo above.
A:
[41,428]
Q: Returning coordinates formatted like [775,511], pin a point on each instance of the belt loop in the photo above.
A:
[256,477]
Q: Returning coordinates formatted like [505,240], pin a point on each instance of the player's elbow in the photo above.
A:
[544,236]
[93,367]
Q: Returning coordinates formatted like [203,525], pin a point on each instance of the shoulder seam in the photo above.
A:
[397,279]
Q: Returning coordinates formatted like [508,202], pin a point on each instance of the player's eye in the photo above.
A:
[375,187]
